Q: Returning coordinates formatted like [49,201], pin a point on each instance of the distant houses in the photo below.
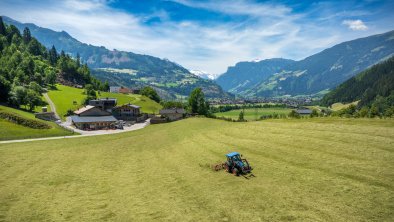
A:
[114,89]
[304,111]
[173,113]
[121,89]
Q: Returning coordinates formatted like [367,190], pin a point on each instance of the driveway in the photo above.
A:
[51,104]
[68,125]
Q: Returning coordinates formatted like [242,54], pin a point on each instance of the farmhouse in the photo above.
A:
[93,118]
[105,104]
[126,112]
[173,113]
[125,90]
[304,111]
[114,89]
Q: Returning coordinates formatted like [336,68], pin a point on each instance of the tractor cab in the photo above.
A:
[236,165]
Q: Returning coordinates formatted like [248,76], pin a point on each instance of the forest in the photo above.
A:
[27,68]
[373,88]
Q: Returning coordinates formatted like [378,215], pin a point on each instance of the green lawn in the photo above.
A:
[320,169]
[11,131]
[251,114]
[64,96]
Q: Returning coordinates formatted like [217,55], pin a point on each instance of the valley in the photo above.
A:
[106,114]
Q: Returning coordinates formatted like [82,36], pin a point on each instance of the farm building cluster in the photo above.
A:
[106,114]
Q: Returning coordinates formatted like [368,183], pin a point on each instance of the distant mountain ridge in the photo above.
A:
[162,74]
[365,87]
[245,75]
[316,73]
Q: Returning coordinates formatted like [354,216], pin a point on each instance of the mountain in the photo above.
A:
[204,74]
[319,72]
[245,75]
[365,86]
[125,68]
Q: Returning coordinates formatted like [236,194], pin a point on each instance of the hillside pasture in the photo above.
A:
[321,169]
[339,106]
[12,131]
[250,114]
[64,96]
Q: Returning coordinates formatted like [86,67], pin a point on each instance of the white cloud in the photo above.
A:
[273,31]
[356,25]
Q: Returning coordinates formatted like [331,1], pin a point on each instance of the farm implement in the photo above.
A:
[235,165]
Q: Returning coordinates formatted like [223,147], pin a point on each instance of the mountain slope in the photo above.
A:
[146,70]
[318,72]
[365,86]
[244,75]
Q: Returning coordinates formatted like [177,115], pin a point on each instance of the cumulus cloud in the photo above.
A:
[268,31]
[356,25]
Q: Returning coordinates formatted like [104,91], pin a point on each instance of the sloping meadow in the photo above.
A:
[322,169]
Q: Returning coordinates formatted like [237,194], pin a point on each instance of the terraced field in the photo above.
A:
[321,169]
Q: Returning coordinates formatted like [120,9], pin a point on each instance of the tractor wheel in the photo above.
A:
[227,167]
[235,172]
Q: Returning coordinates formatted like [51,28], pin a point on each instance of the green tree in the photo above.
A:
[241,116]
[197,102]
[19,95]
[106,86]
[150,93]
[5,87]
[294,114]
[34,47]
[50,76]
[33,99]
[2,27]
[90,93]
[35,87]
[53,56]
[314,113]
[26,35]
[78,60]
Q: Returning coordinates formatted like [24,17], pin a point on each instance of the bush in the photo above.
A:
[34,124]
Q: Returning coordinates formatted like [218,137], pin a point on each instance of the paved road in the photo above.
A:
[136,126]
[51,104]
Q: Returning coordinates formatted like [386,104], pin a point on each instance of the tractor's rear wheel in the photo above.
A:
[235,172]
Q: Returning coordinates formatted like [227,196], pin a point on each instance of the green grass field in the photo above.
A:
[12,131]
[339,106]
[250,113]
[64,96]
[320,169]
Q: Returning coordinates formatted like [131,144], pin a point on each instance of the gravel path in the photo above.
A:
[51,104]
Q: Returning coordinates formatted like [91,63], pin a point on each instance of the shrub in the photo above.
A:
[31,123]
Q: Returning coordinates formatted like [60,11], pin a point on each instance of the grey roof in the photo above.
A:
[172,111]
[90,119]
[129,105]
[104,99]
[304,111]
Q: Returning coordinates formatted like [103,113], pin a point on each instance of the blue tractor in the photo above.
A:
[236,165]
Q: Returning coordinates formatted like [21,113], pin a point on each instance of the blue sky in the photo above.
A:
[209,35]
